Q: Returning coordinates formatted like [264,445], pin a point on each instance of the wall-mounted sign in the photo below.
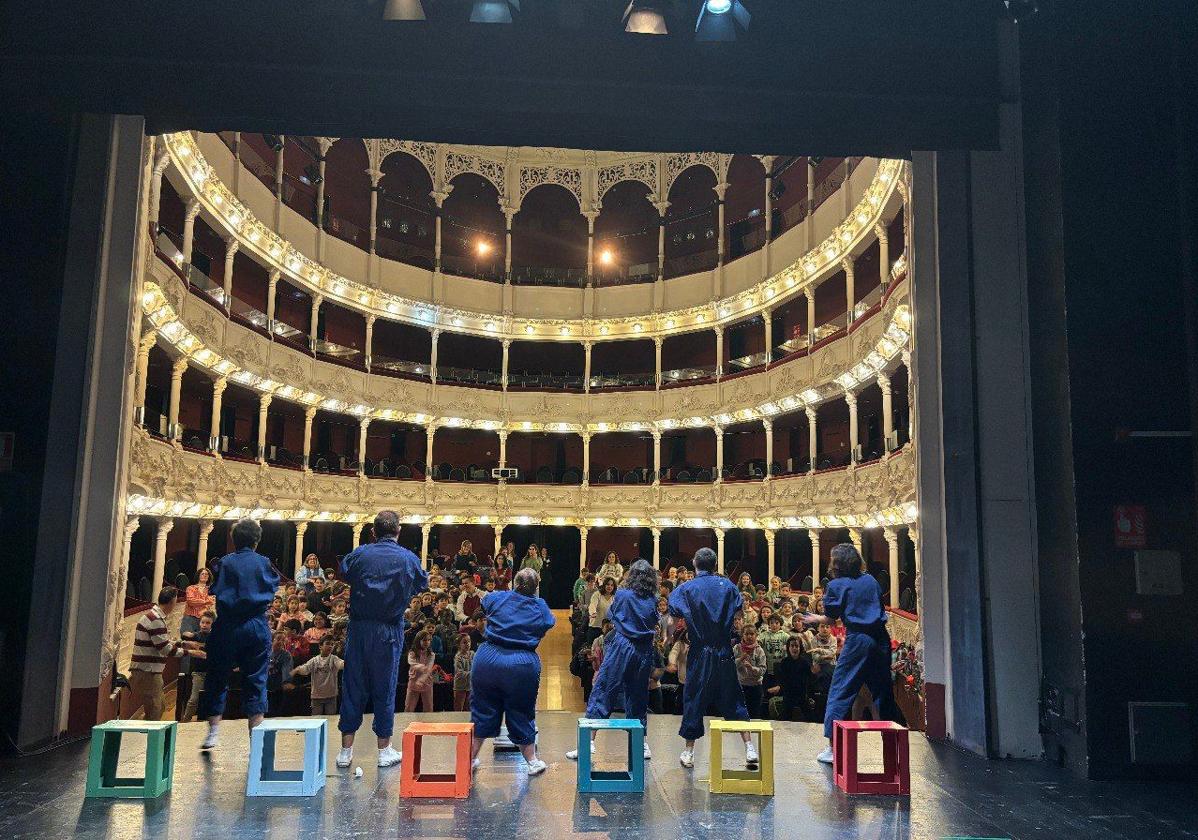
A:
[1131,526]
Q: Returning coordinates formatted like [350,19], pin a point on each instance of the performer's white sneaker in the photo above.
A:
[474,764]
[211,740]
[751,758]
[389,757]
[826,756]
[536,767]
[687,759]
[648,754]
[345,758]
[573,754]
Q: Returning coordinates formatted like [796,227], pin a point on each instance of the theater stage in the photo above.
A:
[953,795]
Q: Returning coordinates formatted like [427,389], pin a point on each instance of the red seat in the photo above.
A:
[895,778]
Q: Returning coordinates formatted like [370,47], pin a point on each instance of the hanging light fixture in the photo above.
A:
[494,11]
[645,17]
[403,10]
[721,20]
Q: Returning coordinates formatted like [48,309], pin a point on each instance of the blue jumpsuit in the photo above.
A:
[865,657]
[506,672]
[244,586]
[708,604]
[382,576]
[627,658]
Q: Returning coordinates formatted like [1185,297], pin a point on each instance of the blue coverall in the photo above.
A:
[506,672]
[382,576]
[708,604]
[627,658]
[244,585]
[865,657]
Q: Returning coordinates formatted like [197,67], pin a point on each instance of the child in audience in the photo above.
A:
[323,670]
[340,616]
[462,662]
[773,642]
[294,612]
[775,593]
[278,672]
[421,665]
[199,665]
[791,677]
[294,641]
[317,600]
[319,629]
[475,628]
[750,669]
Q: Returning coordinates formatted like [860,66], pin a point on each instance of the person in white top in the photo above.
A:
[600,602]
[611,568]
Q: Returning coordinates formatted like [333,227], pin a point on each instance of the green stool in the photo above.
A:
[106,748]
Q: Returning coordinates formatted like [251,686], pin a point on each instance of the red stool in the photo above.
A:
[436,785]
[895,777]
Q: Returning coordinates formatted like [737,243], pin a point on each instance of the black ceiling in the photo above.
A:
[810,77]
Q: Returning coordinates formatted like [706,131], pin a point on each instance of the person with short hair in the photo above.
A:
[506,672]
[244,587]
[199,665]
[854,597]
[709,604]
[323,670]
[151,647]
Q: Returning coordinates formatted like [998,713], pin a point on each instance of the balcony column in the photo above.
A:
[165,524]
[370,319]
[913,535]
[502,448]
[206,526]
[855,538]
[279,169]
[850,282]
[432,363]
[263,407]
[272,291]
[497,531]
[657,343]
[375,177]
[883,255]
[191,209]
[719,551]
[439,200]
[851,398]
[309,416]
[586,458]
[768,321]
[656,547]
[808,218]
[887,409]
[508,214]
[591,215]
[364,427]
[142,371]
[910,395]
[358,528]
[172,421]
[769,445]
[582,548]
[656,457]
[891,536]
[314,321]
[431,433]
[503,370]
[161,161]
[426,531]
[769,214]
[814,533]
[770,555]
[298,561]
[720,191]
[812,437]
[719,353]
[587,348]
[810,294]
[320,163]
[661,206]
[218,390]
[719,454]
[230,255]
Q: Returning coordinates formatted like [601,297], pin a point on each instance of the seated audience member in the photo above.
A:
[294,641]
[340,615]
[464,561]
[750,669]
[468,601]
[278,671]
[792,676]
[308,572]
[773,641]
[318,600]
[319,629]
[295,612]
[775,593]
[323,670]
[476,628]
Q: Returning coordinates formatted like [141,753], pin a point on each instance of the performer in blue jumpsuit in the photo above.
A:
[382,576]
[628,656]
[708,603]
[506,672]
[244,586]
[855,598]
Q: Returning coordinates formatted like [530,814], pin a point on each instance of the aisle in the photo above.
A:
[560,690]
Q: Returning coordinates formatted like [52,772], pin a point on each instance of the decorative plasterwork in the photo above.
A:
[457,163]
[533,177]
[679,163]
[642,169]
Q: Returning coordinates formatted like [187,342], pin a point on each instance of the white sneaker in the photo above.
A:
[648,754]
[751,757]
[345,758]
[389,757]
[211,740]
[474,764]
[687,759]
[536,767]
[573,754]
[826,756]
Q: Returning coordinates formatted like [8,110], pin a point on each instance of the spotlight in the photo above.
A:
[483,248]
[493,11]
[312,173]
[721,20]
[645,18]
[403,10]
[274,141]
[606,257]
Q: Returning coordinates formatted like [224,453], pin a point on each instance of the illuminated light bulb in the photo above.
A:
[830,252]
[700,317]
[274,251]
[862,217]
[338,288]
[604,330]
[637,328]
[846,235]
[217,200]
[184,152]
[564,331]
[235,220]
[606,257]
[528,330]
[483,248]
[254,235]
[425,315]
[457,322]
[490,327]
[790,282]
[363,298]
[670,324]
[392,308]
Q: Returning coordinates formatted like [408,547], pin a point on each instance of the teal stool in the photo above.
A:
[264,780]
[631,780]
[102,779]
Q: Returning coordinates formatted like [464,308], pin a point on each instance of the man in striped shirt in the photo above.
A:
[151,647]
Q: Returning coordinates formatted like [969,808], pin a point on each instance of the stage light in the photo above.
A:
[493,11]
[644,18]
[606,257]
[721,20]
[483,248]
[403,10]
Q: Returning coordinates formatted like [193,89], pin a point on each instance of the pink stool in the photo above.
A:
[895,778]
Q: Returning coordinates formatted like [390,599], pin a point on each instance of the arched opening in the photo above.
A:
[691,236]
[472,229]
[347,192]
[626,236]
[549,239]
[406,215]
[744,207]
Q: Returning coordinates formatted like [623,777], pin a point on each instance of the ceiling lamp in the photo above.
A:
[403,10]
[721,20]
[493,11]
[644,17]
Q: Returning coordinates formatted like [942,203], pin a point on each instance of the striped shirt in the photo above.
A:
[151,644]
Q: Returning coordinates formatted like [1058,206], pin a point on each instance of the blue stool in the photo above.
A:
[264,780]
[631,780]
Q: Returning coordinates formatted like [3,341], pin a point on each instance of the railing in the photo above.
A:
[751,361]
[488,268]
[202,282]
[531,275]
[243,311]
[625,275]
[688,374]
[347,231]
[468,376]
[623,380]
[170,246]
[691,263]
[564,381]
[406,252]
[871,299]
[338,351]
[791,345]
[263,171]
[378,362]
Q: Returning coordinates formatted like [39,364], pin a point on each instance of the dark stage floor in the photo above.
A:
[954,795]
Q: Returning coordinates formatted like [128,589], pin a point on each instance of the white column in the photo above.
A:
[218,390]
[314,320]
[142,371]
[769,336]
[855,538]
[503,371]
[497,528]
[431,433]
[432,364]
[591,215]
[891,536]
[851,399]
[913,535]
[263,407]
[502,448]
[160,163]
[369,339]
[656,547]
[132,523]
[657,343]
[883,255]
[206,526]
[320,163]
[375,175]
[720,191]
[508,214]
[358,528]
[769,214]
[656,457]
[719,352]
[191,209]
[582,547]
[719,454]
[172,422]
[813,533]
[364,426]
[850,284]
[425,530]
[230,255]
[661,206]
[810,313]
[769,445]
[887,409]
[719,550]
[279,169]
[309,416]
[586,458]
[586,366]
[910,395]
[164,528]
[272,291]
[770,556]
[300,528]
[439,199]
[812,437]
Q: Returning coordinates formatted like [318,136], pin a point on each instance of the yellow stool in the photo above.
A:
[760,781]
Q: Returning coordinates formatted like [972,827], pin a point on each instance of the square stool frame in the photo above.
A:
[414,784]
[262,779]
[759,782]
[895,778]
[102,780]
[631,780]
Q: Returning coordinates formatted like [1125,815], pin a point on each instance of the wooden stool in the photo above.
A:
[264,780]
[631,780]
[759,782]
[102,779]
[412,783]
[895,777]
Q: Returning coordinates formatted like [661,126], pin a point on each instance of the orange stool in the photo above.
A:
[895,778]
[412,783]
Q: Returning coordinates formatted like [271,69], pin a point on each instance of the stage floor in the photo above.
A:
[953,795]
